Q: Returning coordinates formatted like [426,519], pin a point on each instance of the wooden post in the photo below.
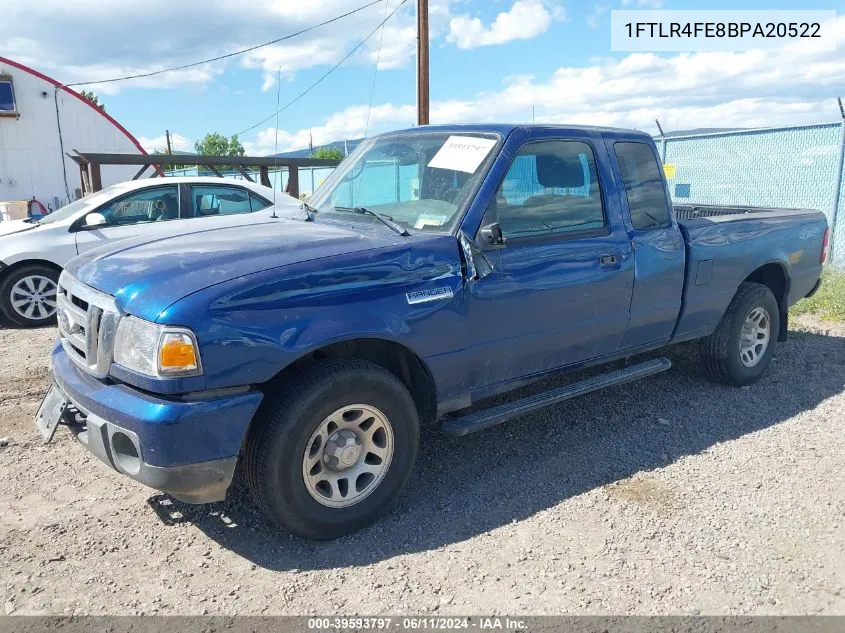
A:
[264,172]
[169,149]
[140,171]
[96,176]
[293,181]
[243,173]
[86,181]
[422,62]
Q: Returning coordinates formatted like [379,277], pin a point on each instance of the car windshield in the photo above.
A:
[83,204]
[419,180]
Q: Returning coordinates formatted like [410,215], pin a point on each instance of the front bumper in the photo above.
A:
[187,447]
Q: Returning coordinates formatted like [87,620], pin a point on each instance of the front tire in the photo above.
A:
[741,348]
[332,452]
[28,296]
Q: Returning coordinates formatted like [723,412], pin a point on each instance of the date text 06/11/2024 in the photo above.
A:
[417,623]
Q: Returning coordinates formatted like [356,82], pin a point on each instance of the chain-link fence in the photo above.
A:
[798,166]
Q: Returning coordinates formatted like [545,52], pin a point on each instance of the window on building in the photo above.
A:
[7,96]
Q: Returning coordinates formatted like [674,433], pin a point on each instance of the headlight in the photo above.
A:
[158,351]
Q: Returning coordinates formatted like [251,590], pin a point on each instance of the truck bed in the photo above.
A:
[725,244]
[696,211]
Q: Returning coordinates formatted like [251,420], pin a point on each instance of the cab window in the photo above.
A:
[552,187]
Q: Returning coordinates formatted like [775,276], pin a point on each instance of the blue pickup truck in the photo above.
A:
[435,268]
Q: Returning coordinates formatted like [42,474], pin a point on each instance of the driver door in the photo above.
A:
[130,215]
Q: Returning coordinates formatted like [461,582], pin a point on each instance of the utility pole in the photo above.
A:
[422,62]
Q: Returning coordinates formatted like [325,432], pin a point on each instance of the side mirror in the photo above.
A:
[492,234]
[95,219]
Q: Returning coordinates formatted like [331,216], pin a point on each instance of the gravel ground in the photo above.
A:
[672,495]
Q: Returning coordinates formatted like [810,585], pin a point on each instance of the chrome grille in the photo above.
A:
[87,324]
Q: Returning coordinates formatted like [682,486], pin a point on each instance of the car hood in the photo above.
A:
[15,226]
[148,274]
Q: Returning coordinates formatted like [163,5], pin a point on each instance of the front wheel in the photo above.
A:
[332,452]
[741,348]
[28,296]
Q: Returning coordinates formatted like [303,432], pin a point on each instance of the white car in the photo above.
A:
[33,252]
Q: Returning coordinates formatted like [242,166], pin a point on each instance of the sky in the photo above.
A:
[491,60]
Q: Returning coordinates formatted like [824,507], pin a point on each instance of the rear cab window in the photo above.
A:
[644,187]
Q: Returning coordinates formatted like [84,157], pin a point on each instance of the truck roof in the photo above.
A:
[506,128]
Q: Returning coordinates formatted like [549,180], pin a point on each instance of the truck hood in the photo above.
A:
[148,274]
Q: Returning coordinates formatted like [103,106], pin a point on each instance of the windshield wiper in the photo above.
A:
[385,219]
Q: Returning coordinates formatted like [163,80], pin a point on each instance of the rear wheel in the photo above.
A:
[741,348]
[333,452]
[28,296]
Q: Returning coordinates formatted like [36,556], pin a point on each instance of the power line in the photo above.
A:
[375,75]
[227,55]
[329,72]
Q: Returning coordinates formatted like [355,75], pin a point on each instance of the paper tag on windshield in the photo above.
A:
[428,220]
[462,153]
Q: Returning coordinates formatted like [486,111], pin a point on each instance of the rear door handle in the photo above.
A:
[607,260]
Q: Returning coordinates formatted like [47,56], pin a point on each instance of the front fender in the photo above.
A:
[252,328]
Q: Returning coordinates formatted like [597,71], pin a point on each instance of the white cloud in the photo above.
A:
[349,123]
[525,20]
[797,84]
[178,143]
[399,43]
[648,4]
[398,46]
[594,16]
[269,82]
[98,39]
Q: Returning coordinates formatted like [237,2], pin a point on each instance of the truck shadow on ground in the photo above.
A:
[463,487]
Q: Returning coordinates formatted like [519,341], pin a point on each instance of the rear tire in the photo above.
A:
[28,296]
[741,348]
[325,416]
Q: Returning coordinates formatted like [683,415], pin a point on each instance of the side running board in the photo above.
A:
[486,418]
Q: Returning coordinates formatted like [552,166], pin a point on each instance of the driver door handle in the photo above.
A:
[608,260]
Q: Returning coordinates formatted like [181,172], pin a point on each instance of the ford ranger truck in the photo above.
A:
[436,267]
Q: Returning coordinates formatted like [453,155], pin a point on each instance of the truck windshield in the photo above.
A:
[420,180]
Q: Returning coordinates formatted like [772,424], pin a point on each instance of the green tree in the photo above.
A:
[93,99]
[327,153]
[214,144]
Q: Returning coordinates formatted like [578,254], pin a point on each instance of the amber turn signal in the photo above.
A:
[177,353]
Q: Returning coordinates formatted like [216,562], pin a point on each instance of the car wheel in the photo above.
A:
[741,348]
[28,295]
[334,451]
